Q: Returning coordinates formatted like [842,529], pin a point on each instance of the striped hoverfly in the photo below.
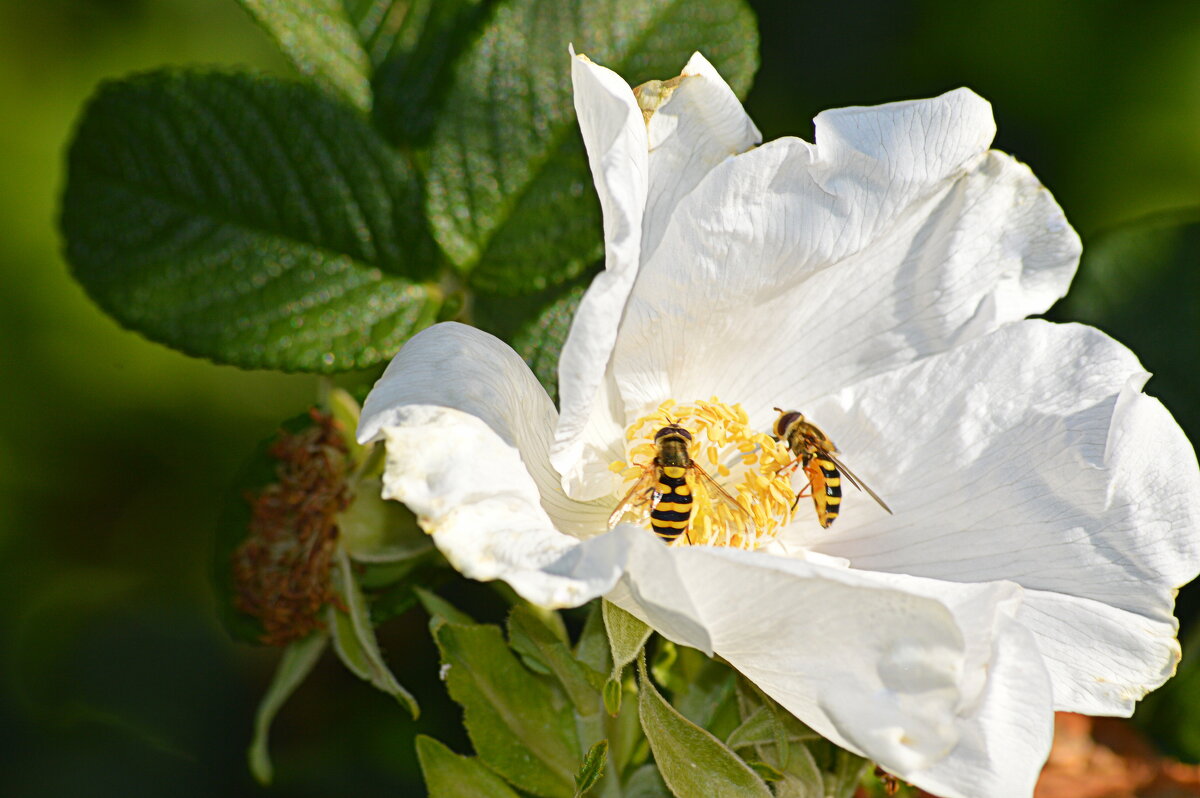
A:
[668,486]
[815,453]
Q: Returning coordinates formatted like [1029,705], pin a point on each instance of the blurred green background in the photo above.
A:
[115,678]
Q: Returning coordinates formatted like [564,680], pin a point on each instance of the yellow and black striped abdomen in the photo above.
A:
[672,513]
[826,488]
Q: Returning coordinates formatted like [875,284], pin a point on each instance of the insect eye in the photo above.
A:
[784,421]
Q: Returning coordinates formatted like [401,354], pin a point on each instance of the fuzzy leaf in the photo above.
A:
[516,723]
[354,637]
[294,666]
[692,761]
[592,768]
[248,220]
[448,775]
[510,195]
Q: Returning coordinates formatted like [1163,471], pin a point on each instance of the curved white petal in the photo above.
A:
[1030,455]
[793,269]
[921,676]
[615,136]
[691,124]
[453,365]
[471,491]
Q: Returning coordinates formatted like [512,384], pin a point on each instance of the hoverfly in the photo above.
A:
[814,453]
[665,485]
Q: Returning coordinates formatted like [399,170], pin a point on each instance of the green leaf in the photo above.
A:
[530,636]
[692,761]
[247,220]
[517,723]
[646,782]
[627,636]
[442,611]
[763,727]
[592,647]
[699,685]
[319,40]
[354,637]
[802,778]
[412,44]
[509,193]
[448,775]
[294,666]
[592,768]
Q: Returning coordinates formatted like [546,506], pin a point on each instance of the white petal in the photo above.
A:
[472,493]
[1030,455]
[698,125]
[615,135]
[453,365]
[921,676]
[794,269]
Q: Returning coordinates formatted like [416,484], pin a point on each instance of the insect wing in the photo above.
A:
[636,500]
[719,493]
[855,481]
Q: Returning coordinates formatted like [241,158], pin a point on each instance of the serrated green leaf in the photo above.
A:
[411,44]
[354,636]
[592,768]
[516,722]
[449,775]
[441,611]
[319,40]
[692,761]
[510,196]
[247,220]
[627,636]
[294,666]
[530,636]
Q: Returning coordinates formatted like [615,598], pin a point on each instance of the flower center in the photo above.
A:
[739,497]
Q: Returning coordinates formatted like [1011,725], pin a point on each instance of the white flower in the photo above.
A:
[877,280]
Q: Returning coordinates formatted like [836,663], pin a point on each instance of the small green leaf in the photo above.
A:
[692,761]
[529,635]
[319,40]
[294,666]
[448,775]
[248,220]
[442,611]
[354,637]
[517,722]
[592,768]
[509,192]
[627,636]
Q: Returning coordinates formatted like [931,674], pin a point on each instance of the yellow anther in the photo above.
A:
[617,466]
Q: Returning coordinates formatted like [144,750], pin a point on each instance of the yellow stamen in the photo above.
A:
[745,463]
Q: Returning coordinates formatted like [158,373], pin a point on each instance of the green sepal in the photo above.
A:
[248,220]
[354,636]
[298,660]
[627,636]
[691,760]
[518,723]
[449,775]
